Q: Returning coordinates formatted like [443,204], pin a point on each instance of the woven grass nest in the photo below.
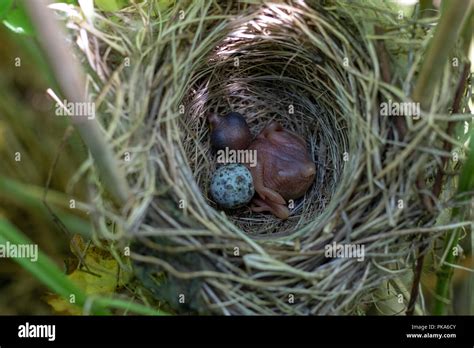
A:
[322,70]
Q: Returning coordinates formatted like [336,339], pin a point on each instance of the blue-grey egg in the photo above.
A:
[232,186]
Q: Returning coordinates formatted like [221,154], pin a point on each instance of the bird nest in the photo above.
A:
[321,69]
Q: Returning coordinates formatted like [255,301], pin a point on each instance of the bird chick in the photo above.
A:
[284,169]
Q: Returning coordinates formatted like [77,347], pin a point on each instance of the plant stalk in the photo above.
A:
[447,31]
[70,77]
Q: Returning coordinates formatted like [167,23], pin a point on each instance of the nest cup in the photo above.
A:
[266,71]
[312,66]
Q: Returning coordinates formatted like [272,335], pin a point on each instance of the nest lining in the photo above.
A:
[264,88]
[289,54]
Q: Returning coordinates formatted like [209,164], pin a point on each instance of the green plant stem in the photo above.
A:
[447,31]
[444,275]
[443,284]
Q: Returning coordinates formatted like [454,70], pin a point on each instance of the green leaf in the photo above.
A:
[5,6]
[18,22]
[111,5]
[44,269]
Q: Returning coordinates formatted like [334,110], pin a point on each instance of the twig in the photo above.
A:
[415,288]
[56,219]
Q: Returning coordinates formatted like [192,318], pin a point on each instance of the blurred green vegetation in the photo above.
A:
[30,139]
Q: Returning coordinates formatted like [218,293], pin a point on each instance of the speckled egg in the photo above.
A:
[232,186]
